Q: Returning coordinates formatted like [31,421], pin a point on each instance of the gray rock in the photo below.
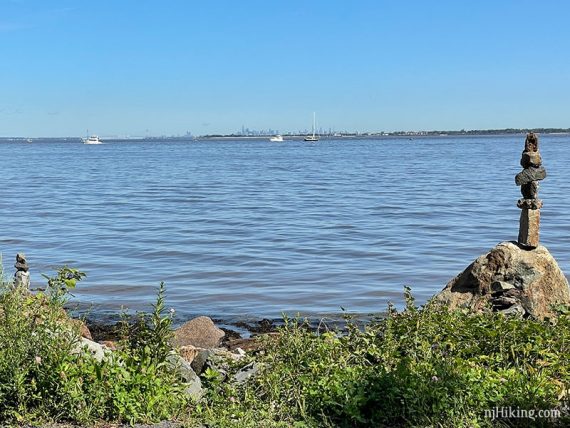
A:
[184,370]
[531,203]
[501,286]
[199,332]
[530,174]
[529,228]
[95,349]
[514,310]
[531,159]
[537,275]
[246,373]
[21,263]
[530,190]
[504,301]
[531,142]
[199,361]
[22,279]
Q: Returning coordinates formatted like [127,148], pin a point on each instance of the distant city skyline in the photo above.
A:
[155,68]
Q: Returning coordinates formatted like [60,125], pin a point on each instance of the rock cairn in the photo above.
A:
[22,275]
[530,205]
[517,278]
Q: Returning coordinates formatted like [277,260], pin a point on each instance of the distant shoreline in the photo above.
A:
[297,136]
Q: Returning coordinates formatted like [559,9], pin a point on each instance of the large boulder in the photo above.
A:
[511,279]
[199,332]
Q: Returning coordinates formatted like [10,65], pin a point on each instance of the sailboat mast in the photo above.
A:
[313,124]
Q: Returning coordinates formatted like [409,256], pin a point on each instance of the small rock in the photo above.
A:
[109,344]
[199,332]
[83,329]
[529,228]
[188,352]
[514,310]
[531,204]
[97,350]
[184,370]
[530,174]
[501,286]
[22,279]
[531,159]
[21,263]
[197,357]
[504,301]
[246,373]
[248,344]
[200,359]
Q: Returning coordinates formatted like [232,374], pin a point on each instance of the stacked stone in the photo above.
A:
[22,275]
[530,205]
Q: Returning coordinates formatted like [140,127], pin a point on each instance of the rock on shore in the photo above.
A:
[509,279]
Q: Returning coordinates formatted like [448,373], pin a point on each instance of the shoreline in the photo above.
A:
[105,328]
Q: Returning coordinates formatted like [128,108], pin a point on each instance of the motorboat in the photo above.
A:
[276,139]
[93,139]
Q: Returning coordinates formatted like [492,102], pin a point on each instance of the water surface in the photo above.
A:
[253,228]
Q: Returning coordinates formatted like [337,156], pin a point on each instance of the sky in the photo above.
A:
[167,67]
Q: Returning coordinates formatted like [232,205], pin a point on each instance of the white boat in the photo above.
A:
[312,137]
[277,139]
[94,139]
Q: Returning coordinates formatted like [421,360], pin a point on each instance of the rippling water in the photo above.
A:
[252,228]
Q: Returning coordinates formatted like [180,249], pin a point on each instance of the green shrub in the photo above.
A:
[420,367]
[44,376]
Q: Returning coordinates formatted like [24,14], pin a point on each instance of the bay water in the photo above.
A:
[250,228]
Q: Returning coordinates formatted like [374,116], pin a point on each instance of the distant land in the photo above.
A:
[505,131]
[252,134]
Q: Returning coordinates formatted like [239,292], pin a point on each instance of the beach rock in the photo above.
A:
[529,190]
[197,357]
[531,204]
[97,350]
[535,275]
[22,279]
[250,344]
[501,286]
[184,369]
[199,332]
[82,327]
[246,372]
[21,263]
[531,143]
[530,174]
[22,275]
[112,345]
[529,228]
[531,159]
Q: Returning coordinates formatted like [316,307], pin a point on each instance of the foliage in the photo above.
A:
[151,332]
[45,375]
[421,367]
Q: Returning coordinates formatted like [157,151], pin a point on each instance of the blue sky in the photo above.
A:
[122,67]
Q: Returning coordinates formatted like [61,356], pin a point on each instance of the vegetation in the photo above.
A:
[419,367]
[45,375]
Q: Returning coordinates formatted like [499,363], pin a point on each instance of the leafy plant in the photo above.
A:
[45,375]
[420,367]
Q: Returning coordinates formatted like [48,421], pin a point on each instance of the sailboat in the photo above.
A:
[312,137]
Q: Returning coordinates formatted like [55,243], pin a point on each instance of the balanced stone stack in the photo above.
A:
[22,275]
[517,278]
[530,205]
